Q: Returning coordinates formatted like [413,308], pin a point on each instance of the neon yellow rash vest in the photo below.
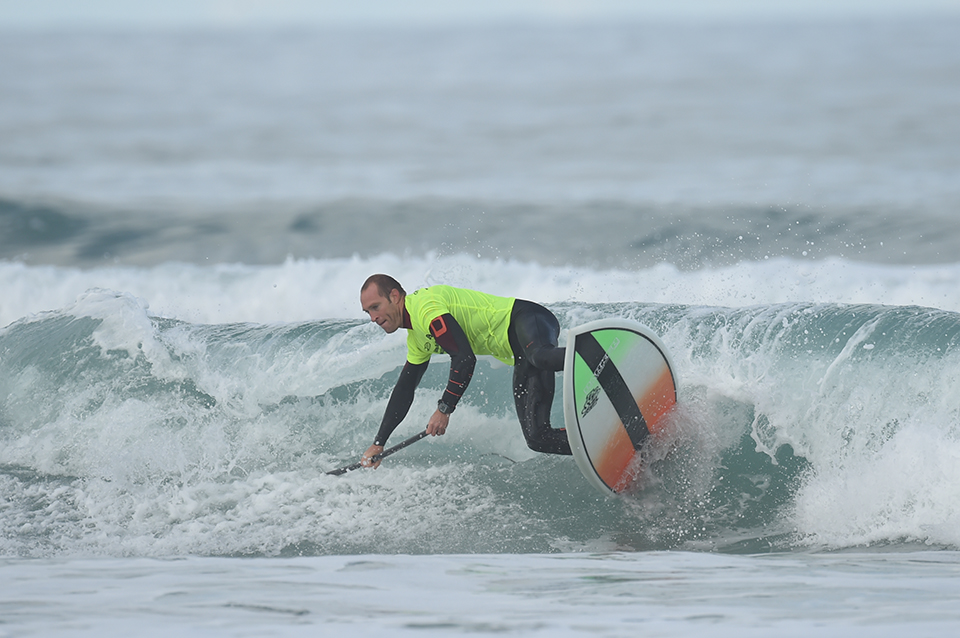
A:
[484,319]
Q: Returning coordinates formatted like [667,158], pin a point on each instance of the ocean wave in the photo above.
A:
[631,234]
[799,425]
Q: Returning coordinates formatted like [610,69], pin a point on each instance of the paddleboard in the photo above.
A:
[618,388]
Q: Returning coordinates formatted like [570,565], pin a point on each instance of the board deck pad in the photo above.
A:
[618,387]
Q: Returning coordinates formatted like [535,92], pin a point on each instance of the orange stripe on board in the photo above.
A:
[615,458]
[658,398]
[615,461]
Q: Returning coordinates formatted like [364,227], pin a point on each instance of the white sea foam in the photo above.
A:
[305,290]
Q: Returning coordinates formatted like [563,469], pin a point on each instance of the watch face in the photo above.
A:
[443,407]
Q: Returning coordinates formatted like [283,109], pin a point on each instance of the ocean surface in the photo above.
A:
[186,218]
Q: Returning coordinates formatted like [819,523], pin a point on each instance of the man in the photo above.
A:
[464,323]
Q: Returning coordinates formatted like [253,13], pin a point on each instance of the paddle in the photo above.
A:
[390,450]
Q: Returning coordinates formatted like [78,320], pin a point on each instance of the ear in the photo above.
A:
[394,296]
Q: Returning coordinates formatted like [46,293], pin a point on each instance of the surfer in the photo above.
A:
[464,323]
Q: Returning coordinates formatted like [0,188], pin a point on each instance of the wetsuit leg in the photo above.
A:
[534,333]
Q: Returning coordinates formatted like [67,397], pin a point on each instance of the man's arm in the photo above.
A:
[400,401]
[450,336]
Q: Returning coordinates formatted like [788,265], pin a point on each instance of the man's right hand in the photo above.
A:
[367,459]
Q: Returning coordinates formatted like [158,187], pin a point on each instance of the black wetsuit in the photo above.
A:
[533,333]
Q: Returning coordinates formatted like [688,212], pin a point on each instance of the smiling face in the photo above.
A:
[386,312]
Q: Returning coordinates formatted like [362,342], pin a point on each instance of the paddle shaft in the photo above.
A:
[390,450]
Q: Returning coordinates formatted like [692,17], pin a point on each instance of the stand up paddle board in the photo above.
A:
[618,386]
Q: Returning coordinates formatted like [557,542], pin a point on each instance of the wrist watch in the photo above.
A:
[443,407]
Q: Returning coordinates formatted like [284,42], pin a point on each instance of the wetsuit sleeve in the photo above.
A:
[400,400]
[449,335]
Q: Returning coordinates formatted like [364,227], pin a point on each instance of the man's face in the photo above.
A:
[386,312]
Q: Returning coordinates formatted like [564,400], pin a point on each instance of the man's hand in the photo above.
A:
[437,425]
[367,459]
